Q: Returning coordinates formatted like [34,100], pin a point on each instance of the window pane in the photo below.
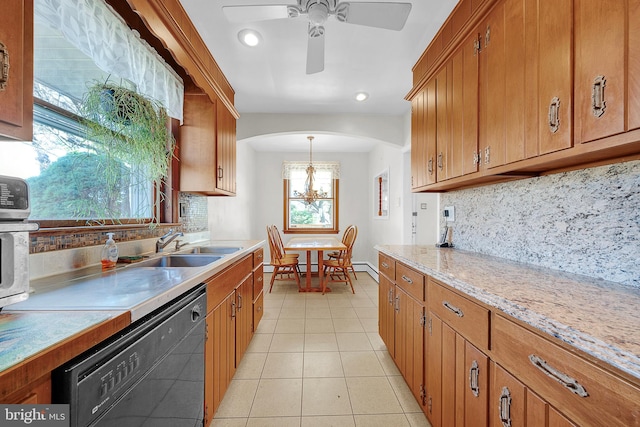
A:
[315,215]
[322,182]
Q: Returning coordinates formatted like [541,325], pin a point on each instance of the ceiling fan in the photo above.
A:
[387,15]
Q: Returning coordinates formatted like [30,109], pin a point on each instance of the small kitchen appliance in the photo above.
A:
[14,240]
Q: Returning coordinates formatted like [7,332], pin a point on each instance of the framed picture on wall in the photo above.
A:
[381,195]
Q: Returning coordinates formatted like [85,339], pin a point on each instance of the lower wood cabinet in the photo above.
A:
[474,365]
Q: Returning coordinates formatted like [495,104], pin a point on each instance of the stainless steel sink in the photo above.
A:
[179,261]
[218,250]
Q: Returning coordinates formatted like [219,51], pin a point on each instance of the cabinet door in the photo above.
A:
[493,89]
[433,361]
[418,145]
[554,75]
[386,324]
[16,69]
[633,73]
[226,149]
[443,131]
[430,123]
[244,317]
[219,353]
[600,68]
[410,340]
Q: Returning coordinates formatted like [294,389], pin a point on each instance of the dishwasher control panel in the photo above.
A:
[118,377]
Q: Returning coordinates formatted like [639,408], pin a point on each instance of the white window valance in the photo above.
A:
[289,166]
[95,29]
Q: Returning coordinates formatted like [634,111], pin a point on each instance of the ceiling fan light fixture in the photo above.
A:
[361,96]
[249,37]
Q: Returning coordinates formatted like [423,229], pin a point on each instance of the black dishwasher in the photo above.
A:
[150,374]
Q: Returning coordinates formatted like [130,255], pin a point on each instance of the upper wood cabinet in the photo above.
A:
[423,137]
[550,77]
[207,147]
[16,70]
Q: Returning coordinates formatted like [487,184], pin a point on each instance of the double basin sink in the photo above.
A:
[198,257]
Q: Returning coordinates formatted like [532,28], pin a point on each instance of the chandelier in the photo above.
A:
[310,195]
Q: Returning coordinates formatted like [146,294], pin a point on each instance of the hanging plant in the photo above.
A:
[130,127]
[127,129]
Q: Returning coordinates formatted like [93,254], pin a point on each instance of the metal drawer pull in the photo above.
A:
[397,306]
[220,172]
[554,115]
[385,265]
[474,372]
[406,279]
[453,308]
[233,308]
[239,302]
[4,66]
[390,296]
[569,383]
[598,105]
[505,407]
[430,166]
[440,161]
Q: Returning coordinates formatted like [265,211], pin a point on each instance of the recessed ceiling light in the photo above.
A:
[249,38]
[361,96]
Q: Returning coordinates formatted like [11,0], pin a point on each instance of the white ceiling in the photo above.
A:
[271,77]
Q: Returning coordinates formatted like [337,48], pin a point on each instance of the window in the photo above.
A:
[320,216]
[75,45]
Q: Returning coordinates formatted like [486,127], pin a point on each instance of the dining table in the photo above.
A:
[319,244]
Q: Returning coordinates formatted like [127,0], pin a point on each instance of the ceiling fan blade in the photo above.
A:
[390,16]
[315,54]
[255,13]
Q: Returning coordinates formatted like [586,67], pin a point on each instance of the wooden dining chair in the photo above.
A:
[335,254]
[283,264]
[337,269]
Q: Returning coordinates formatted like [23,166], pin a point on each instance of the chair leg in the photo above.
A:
[273,277]
[354,272]
[297,276]
[346,274]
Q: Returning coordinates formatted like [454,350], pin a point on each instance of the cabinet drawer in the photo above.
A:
[585,393]
[258,310]
[387,266]
[258,257]
[466,317]
[223,283]
[258,281]
[410,280]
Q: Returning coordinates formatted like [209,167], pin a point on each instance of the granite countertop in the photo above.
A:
[64,305]
[597,317]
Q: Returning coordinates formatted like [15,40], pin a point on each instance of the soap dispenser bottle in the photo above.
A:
[109,253]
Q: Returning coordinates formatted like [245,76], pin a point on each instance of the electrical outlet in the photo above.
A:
[449,214]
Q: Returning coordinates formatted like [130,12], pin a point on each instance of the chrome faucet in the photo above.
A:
[179,244]
[166,239]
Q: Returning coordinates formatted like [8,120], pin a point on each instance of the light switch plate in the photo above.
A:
[449,213]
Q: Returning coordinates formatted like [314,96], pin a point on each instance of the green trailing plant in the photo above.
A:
[127,128]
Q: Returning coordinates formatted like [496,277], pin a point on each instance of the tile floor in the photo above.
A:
[317,360]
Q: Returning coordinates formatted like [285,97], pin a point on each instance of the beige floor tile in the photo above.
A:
[376,341]
[320,342]
[370,325]
[353,341]
[329,421]
[287,343]
[367,312]
[278,398]
[325,396]
[404,395]
[324,364]
[347,325]
[260,343]
[343,313]
[383,420]
[251,366]
[362,301]
[372,395]
[316,301]
[336,301]
[271,312]
[361,364]
[292,312]
[318,313]
[229,422]
[318,326]
[418,419]
[290,326]
[283,365]
[238,399]
[274,422]
[387,363]
[266,326]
